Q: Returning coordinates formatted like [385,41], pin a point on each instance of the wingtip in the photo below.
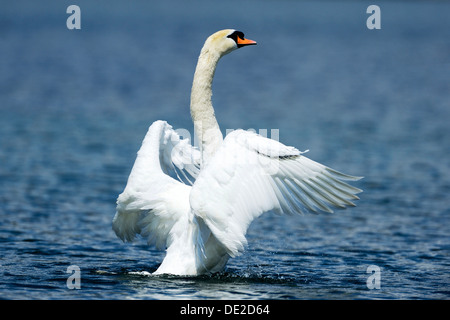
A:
[343,176]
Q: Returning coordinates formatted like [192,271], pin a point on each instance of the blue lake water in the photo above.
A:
[76,104]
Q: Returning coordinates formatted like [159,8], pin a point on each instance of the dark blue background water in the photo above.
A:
[75,106]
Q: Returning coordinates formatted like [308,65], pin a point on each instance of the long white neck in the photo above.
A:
[202,112]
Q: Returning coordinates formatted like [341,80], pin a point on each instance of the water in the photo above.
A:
[75,106]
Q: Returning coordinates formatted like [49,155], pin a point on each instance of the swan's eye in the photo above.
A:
[235,36]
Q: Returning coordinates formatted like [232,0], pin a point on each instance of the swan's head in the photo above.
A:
[225,41]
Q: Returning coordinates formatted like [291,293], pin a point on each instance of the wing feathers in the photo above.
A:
[155,195]
[247,176]
[259,176]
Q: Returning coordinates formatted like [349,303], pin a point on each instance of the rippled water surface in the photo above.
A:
[75,106]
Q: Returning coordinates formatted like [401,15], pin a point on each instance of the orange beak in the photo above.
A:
[244,42]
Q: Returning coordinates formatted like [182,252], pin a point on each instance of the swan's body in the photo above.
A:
[199,203]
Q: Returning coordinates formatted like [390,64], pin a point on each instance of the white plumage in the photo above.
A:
[199,203]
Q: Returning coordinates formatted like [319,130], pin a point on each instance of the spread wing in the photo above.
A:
[250,175]
[156,193]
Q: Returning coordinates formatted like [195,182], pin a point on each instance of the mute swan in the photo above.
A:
[199,203]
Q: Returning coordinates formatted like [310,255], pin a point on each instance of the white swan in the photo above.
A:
[199,203]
